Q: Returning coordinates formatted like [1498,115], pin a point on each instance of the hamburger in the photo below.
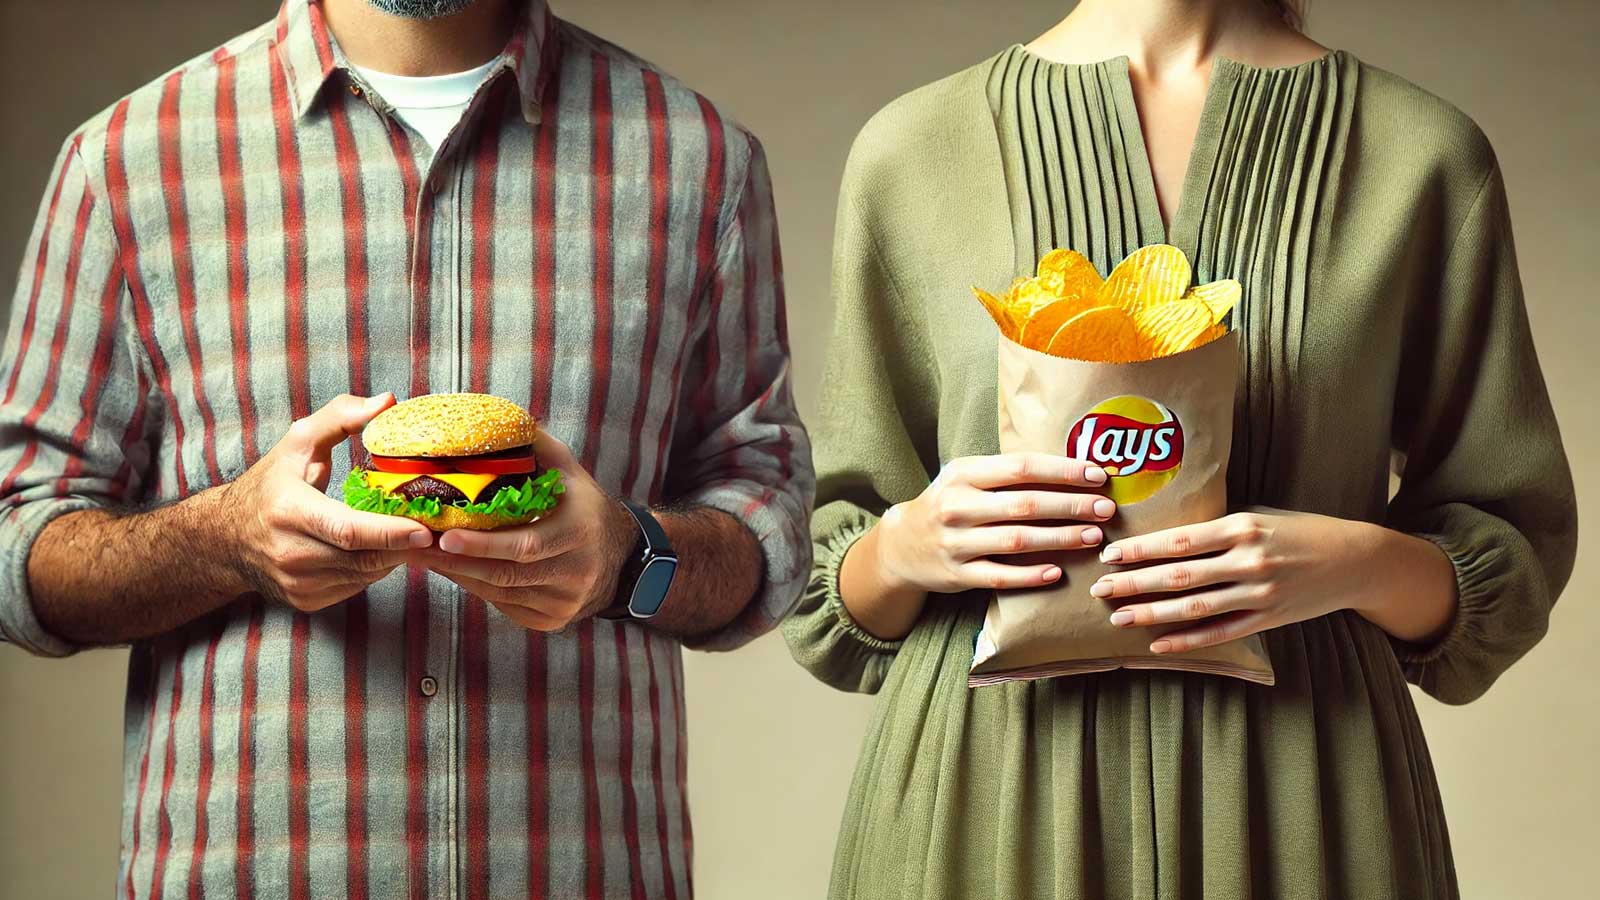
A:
[453,461]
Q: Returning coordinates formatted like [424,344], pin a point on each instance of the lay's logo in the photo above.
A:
[1136,440]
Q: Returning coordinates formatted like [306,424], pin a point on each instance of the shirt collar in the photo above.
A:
[310,55]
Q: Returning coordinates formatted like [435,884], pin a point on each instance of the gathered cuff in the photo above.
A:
[830,553]
[1474,571]
[822,635]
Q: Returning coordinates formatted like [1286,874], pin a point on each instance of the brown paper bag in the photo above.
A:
[1167,425]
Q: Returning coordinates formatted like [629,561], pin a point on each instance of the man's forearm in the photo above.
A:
[719,571]
[102,577]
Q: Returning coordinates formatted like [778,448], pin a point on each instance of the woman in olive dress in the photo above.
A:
[1382,327]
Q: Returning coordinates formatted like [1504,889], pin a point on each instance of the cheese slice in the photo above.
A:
[470,484]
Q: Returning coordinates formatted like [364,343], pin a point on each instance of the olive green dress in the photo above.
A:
[1383,323]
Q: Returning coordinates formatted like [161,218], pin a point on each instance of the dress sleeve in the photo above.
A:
[74,389]
[876,442]
[1484,474]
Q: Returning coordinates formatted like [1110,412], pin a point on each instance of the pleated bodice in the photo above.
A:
[1265,157]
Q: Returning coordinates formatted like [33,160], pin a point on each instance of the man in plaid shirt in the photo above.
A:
[232,270]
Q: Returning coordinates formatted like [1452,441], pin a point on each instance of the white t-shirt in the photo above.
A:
[431,104]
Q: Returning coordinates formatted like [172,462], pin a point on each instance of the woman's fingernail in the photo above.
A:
[1104,507]
[1091,536]
[420,539]
[1094,475]
[1111,554]
[1161,647]
[1101,589]
[1122,617]
[1051,574]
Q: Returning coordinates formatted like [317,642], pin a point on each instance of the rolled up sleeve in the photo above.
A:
[72,411]
[740,446]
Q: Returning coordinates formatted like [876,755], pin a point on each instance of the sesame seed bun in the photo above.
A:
[449,425]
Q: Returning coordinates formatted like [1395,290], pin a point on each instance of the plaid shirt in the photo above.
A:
[233,245]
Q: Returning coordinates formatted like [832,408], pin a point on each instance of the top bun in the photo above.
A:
[449,425]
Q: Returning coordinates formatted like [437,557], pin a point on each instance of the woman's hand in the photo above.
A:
[1251,571]
[942,541]
[946,539]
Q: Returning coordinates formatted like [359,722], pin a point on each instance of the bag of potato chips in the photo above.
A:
[1137,374]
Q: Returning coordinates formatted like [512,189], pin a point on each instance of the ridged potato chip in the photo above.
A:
[1026,297]
[1220,296]
[1207,336]
[999,311]
[1155,274]
[1070,276]
[1169,328]
[1041,327]
[1144,310]
[1098,334]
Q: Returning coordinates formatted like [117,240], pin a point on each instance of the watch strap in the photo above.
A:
[652,542]
[655,538]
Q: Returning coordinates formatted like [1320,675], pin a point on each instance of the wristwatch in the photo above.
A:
[647,575]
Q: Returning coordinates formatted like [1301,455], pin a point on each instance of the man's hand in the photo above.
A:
[550,573]
[103,576]
[292,542]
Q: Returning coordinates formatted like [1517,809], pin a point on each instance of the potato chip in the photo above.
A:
[1070,276]
[1145,309]
[1209,335]
[998,311]
[1026,297]
[1055,262]
[1150,275]
[1221,296]
[1169,328]
[1098,334]
[1038,329]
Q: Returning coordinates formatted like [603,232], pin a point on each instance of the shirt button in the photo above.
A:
[355,89]
[428,686]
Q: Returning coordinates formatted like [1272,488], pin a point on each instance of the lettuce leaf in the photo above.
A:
[535,495]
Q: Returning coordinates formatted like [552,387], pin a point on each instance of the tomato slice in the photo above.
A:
[515,465]
[416,465]
[411,465]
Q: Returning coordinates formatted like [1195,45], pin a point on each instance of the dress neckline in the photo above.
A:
[1123,62]
[1183,230]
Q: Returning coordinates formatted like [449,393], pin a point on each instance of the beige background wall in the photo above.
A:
[772,750]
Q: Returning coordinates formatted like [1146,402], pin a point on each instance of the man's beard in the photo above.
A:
[421,9]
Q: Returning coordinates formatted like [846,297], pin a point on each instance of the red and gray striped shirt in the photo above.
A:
[233,245]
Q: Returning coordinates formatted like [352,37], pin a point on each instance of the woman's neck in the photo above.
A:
[400,46]
[1175,37]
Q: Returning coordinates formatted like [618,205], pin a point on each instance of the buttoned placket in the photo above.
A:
[438,203]
[444,184]
[441,190]
[438,200]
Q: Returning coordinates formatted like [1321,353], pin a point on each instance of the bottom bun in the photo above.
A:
[455,517]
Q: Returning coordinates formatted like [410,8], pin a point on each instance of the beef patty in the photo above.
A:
[428,486]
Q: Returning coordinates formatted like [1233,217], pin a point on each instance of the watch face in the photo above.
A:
[651,589]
